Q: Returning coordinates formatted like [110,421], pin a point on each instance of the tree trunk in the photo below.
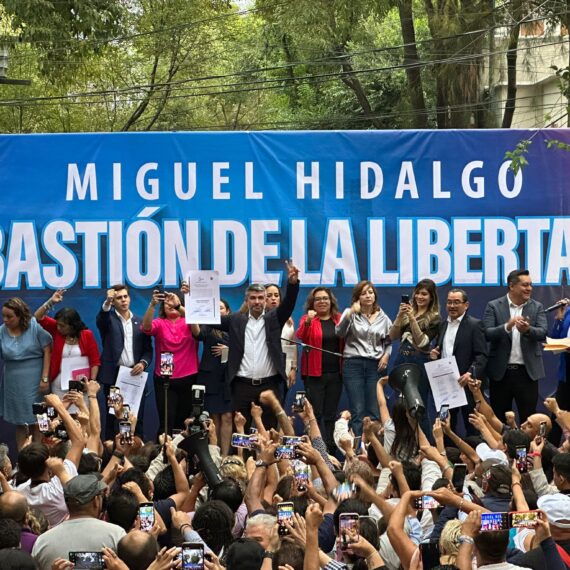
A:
[512,71]
[413,74]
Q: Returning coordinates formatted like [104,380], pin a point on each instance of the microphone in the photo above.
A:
[556,306]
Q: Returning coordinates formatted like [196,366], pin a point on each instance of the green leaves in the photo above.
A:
[517,156]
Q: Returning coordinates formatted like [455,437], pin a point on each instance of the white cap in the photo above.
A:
[485,452]
[557,508]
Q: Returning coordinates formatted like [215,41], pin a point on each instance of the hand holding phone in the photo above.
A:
[348,529]
[146,516]
[166,364]
[284,514]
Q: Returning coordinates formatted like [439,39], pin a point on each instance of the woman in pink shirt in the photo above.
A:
[172,334]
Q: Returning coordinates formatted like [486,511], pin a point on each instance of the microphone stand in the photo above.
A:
[307,347]
[166,388]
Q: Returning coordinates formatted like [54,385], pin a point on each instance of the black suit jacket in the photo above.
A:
[275,319]
[113,339]
[470,346]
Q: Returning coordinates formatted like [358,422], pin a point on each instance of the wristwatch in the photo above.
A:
[261,463]
[45,379]
[269,554]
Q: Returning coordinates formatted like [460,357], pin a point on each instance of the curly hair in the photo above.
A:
[309,303]
[21,310]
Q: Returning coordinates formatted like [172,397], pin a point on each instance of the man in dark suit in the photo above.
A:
[515,326]
[462,336]
[256,361]
[124,344]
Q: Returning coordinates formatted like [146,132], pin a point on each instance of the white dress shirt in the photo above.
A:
[256,362]
[516,356]
[127,355]
[450,336]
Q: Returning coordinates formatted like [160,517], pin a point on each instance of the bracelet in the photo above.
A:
[94,397]
[118,454]
[48,306]
[516,483]
[281,413]
[182,526]
[464,539]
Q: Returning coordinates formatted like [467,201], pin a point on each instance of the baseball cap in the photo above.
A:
[485,452]
[83,488]
[557,508]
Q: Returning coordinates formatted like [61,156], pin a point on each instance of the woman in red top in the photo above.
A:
[71,337]
[321,371]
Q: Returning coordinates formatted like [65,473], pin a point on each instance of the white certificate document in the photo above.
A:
[443,375]
[132,388]
[71,367]
[203,303]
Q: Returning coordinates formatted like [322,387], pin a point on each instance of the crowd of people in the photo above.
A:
[486,485]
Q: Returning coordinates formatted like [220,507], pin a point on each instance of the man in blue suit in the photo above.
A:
[124,344]
[515,326]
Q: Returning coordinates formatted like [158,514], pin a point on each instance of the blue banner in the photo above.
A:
[85,211]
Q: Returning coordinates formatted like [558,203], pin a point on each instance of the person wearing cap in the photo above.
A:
[497,488]
[515,326]
[463,337]
[255,358]
[83,531]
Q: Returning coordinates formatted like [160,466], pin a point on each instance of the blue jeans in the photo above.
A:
[360,376]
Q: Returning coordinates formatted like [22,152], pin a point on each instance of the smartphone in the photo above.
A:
[429,553]
[301,472]
[166,363]
[241,440]
[299,402]
[286,452]
[494,521]
[520,459]
[405,299]
[146,516]
[51,413]
[75,386]
[284,513]
[43,422]
[349,529]
[114,396]
[39,408]
[425,503]
[253,431]
[291,440]
[125,432]
[458,478]
[85,560]
[524,519]
[356,443]
[126,411]
[444,412]
[61,433]
[542,429]
[192,556]
[344,491]
[160,290]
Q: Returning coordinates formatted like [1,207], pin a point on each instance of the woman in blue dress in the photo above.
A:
[25,348]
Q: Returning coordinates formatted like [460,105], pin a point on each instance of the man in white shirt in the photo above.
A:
[44,488]
[463,337]
[256,361]
[83,532]
[515,326]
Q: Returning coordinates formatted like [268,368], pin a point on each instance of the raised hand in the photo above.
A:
[292,273]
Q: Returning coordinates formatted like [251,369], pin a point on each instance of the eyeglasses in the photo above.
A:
[319,299]
[456,303]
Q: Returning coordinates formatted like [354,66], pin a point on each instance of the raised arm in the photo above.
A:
[44,309]
[156,298]
[381,397]
[74,432]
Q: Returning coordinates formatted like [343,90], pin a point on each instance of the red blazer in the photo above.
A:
[87,346]
[312,361]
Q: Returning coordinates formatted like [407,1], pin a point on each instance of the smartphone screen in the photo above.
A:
[344,491]
[51,413]
[494,521]
[125,431]
[458,478]
[85,560]
[301,471]
[43,422]
[444,412]
[166,363]
[38,408]
[126,411]
[524,519]
[146,516]
[241,440]
[520,459]
[290,440]
[114,396]
[356,443]
[75,386]
[542,429]
[349,529]
[192,556]
[284,513]
[285,452]
[299,401]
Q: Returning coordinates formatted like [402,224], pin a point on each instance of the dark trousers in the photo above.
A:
[324,394]
[244,393]
[563,398]
[179,403]
[515,385]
